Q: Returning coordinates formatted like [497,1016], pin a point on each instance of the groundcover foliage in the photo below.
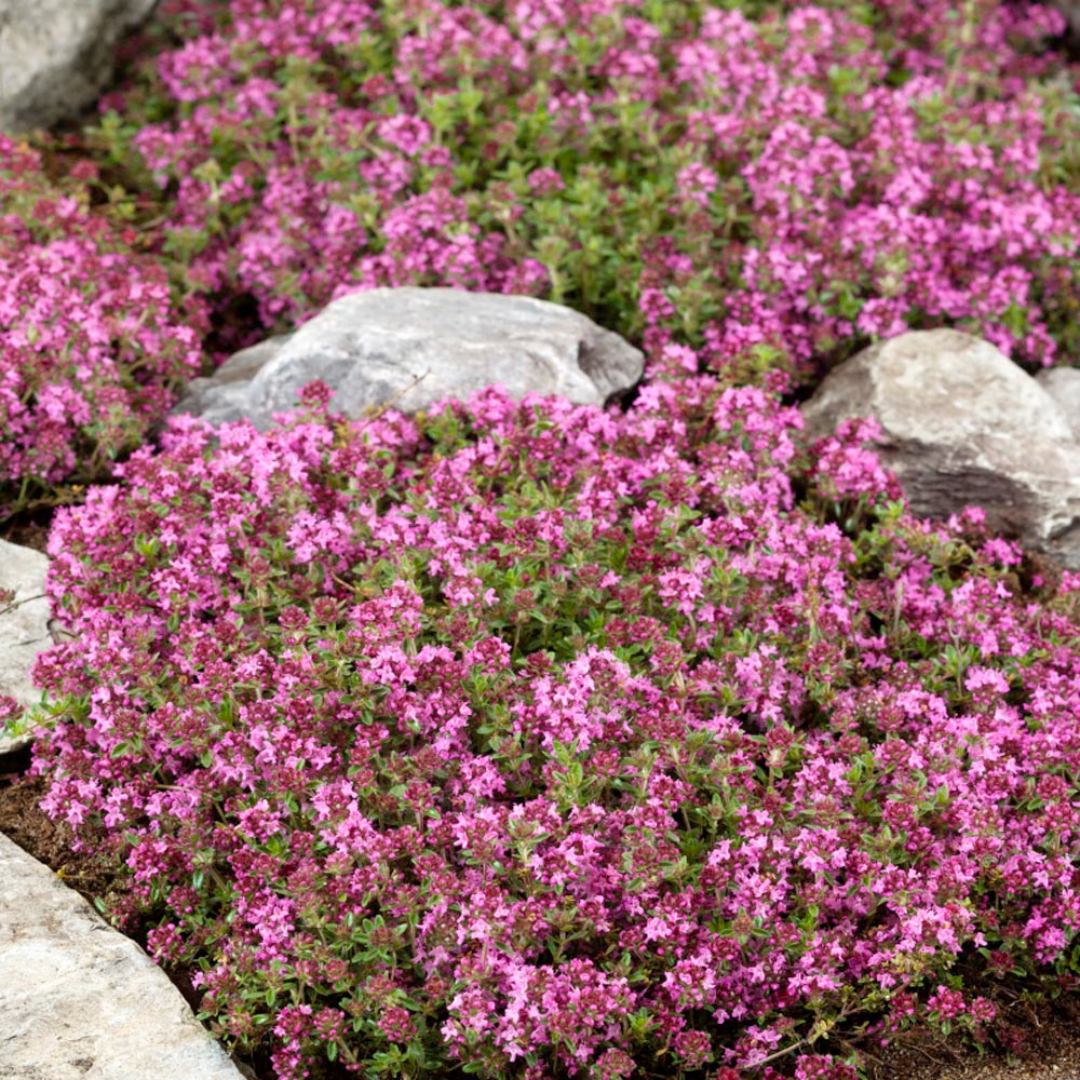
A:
[522,739]
[93,343]
[545,741]
[771,185]
[787,177]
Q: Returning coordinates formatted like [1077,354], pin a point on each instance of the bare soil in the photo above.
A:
[1051,1052]
[27,530]
[49,842]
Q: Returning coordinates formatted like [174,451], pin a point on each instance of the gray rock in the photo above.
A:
[411,347]
[24,628]
[963,425]
[78,1000]
[57,55]
[1063,385]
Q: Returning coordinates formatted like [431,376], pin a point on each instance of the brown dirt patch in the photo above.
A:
[88,871]
[27,530]
[1050,1050]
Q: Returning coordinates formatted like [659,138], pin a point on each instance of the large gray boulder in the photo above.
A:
[79,1000]
[24,628]
[57,55]
[963,425]
[411,347]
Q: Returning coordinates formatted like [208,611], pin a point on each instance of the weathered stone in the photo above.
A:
[24,627]
[411,347]
[1063,385]
[962,425]
[79,1000]
[56,56]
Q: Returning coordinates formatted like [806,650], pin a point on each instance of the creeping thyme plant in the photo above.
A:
[93,343]
[529,740]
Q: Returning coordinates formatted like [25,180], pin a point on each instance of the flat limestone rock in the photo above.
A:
[410,347]
[963,425]
[56,55]
[78,1000]
[24,630]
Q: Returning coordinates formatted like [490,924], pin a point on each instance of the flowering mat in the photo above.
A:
[520,739]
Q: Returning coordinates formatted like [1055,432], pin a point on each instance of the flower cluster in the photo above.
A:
[526,739]
[774,190]
[545,740]
[92,344]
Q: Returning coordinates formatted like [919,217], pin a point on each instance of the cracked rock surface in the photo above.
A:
[78,1000]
